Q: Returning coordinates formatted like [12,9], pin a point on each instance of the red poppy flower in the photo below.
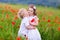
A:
[58,28]
[58,22]
[49,20]
[12,10]
[15,18]
[33,20]
[13,23]
[7,16]
[18,38]
[1,27]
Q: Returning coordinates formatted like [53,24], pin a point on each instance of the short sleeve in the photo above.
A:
[36,17]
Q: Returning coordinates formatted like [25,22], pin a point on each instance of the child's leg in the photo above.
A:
[26,37]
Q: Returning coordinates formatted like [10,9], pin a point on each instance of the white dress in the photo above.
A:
[22,30]
[34,33]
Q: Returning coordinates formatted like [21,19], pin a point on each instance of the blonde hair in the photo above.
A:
[21,12]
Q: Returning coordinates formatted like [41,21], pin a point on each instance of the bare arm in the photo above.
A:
[29,27]
[35,23]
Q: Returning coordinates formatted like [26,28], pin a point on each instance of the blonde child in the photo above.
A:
[23,14]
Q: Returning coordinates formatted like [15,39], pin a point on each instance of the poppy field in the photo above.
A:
[49,22]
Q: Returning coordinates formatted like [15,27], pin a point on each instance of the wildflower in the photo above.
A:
[18,38]
[7,16]
[13,23]
[58,28]
[12,10]
[15,18]
[1,27]
[49,20]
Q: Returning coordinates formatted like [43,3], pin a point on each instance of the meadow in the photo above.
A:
[49,21]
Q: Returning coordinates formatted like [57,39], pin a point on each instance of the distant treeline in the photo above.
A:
[53,3]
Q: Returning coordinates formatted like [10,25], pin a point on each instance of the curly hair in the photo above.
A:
[33,7]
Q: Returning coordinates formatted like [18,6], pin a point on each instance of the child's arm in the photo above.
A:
[34,21]
[28,26]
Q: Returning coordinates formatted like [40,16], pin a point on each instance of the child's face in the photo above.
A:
[25,13]
[30,11]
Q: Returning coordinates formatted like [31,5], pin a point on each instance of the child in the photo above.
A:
[24,23]
[33,34]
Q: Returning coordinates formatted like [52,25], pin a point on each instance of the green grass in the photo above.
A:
[48,30]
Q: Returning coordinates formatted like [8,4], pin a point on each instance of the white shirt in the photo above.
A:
[24,23]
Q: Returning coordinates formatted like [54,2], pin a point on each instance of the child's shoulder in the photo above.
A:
[36,17]
[25,18]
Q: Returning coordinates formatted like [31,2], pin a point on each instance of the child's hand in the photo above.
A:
[33,20]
